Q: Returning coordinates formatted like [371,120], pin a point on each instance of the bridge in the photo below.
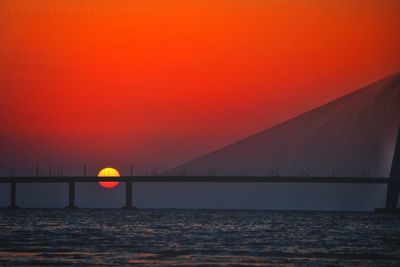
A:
[359,130]
[393,182]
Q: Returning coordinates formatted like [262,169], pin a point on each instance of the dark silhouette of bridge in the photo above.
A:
[330,144]
[393,184]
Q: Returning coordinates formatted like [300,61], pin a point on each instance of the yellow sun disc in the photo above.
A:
[108,172]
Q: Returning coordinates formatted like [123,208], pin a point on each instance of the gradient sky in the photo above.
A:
[157,83]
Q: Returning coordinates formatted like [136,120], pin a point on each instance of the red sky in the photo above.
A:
[156,83]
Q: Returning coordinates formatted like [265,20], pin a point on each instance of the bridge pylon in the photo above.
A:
[393,188]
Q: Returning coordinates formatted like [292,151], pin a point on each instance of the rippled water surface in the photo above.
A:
[197,237]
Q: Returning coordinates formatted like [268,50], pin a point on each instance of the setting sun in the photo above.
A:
[108,172]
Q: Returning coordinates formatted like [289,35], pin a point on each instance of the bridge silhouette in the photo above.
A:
[392,195]
[391,202]
[346,134]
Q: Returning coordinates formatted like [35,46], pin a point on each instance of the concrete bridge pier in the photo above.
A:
[128,195]
[71,196]
[13,195]
[392,195]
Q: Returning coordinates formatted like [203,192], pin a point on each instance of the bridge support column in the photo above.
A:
[128,195]
[392,195]
[71,196]
[393,187]
[13,195]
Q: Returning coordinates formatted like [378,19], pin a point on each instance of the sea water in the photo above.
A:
[101,237]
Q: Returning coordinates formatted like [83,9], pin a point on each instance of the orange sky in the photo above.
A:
[159,82]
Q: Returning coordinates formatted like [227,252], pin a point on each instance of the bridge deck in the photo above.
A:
[198,179]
